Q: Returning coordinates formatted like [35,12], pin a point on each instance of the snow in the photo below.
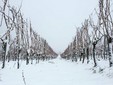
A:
[55,72]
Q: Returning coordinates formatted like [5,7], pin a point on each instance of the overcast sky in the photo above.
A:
[56,20]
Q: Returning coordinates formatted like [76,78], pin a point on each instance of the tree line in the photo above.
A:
[94,39]
[19,41]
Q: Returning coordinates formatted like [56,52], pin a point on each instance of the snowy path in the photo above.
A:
[53,72]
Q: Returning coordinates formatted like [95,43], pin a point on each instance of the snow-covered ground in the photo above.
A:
[55,72]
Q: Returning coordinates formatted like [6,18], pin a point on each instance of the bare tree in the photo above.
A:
[107,23]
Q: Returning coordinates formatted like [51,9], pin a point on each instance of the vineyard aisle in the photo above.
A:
[54,72]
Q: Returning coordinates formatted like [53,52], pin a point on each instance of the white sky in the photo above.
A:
[55,20]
